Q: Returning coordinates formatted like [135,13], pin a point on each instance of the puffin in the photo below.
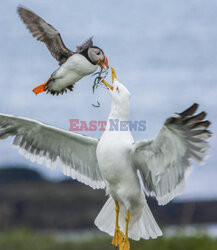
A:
[73,65]
[128,171]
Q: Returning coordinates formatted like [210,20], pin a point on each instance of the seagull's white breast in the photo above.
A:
[113,152]
[114,158]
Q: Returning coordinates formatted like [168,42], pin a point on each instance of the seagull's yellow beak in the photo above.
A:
[113,74]
[113,77]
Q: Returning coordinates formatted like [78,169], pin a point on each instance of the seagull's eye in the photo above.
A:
[117,89]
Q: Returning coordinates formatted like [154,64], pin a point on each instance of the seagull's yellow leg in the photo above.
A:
[125,244]
[118,237]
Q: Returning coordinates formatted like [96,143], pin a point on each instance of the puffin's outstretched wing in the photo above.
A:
[164,162]
[45,33]
[88,43]
[42,143]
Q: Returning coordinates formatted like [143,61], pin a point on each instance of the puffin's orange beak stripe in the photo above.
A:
[103,63]
[106,61]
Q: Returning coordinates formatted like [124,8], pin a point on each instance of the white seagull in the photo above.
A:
[119,165]
[73,65]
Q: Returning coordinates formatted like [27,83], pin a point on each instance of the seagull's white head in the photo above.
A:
[119,93]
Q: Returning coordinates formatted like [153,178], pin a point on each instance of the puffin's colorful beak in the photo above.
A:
[103,63]
[106,61]
[113,77]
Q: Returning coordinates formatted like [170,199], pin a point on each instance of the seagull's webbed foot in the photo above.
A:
[118,236]
[125,244]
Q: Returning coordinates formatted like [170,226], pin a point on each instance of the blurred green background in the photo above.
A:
[24,239]
[38,214]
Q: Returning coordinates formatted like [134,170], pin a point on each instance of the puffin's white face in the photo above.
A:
[97,56]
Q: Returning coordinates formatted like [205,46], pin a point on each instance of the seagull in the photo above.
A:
[73,65]
[127,170]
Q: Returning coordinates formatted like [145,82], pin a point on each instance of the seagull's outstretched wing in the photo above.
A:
[42,143]
[164,162]
[45,33]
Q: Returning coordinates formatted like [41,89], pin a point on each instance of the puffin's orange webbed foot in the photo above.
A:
[41,88]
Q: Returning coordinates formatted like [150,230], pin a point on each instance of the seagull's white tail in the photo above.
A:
[142,224]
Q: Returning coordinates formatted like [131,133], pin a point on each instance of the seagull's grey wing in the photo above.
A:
[45,33]
[164,162]
[42,143]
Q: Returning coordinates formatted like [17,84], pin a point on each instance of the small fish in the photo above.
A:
[96,106]
[102,74]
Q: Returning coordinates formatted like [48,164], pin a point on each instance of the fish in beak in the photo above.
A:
[103,63]
[114,76]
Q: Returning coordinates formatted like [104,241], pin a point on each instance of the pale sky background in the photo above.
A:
[165,52]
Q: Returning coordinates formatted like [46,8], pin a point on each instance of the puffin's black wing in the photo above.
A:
[45,33]
[88,43]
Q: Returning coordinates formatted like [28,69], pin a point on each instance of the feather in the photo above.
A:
[45,33]
[45,144]
[88,43]
[167,157]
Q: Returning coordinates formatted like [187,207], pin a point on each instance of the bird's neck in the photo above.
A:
[120,112]
[85,54]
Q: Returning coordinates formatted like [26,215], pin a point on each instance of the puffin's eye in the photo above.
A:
[98,53]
